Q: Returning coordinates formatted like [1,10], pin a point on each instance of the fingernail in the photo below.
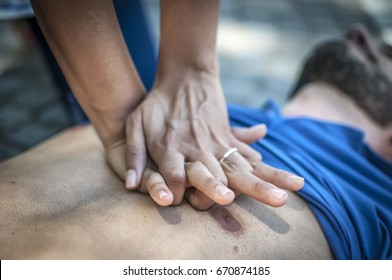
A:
[162,194]
[296,180]
[130,181]
[223,191]
[278,194]
[260,126]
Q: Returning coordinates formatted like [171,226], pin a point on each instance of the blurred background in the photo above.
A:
[261,46]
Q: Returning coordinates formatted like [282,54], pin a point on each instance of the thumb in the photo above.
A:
[135,152]
[251,134]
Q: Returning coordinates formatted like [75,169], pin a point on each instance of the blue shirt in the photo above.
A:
[348,186]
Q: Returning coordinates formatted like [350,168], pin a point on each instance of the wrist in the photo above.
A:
[193,85]
[110,123]
[198,63]
[176,72]
[110,128]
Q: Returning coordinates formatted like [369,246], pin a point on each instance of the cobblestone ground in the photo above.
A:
[30,108]
[261,45]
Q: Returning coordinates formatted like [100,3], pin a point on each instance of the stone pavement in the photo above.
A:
[261,44]
[30,108]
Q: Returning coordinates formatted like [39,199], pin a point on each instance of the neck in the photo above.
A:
[324,102]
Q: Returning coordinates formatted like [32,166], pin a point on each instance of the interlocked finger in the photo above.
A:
[278,177]
[201,178]
[211,163]
[249,154]
[238,159]
[197,199]
[243,180]
[154,184]
[171,167]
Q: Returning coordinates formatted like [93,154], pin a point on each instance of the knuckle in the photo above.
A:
[176,177]
[254,163]
[259,186]
[132,151]
[193,165]
[256,157]
[212,182]
[200,204]
[149,179]
[232,167]
[276,173]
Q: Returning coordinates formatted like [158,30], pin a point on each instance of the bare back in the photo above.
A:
[60,200]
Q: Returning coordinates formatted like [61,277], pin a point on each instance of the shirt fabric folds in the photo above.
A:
[347,185]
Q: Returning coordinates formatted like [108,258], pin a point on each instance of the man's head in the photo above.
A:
[358,65]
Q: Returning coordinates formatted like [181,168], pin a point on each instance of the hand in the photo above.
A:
[151,179]
[269,174]
[185,121]
[153,183]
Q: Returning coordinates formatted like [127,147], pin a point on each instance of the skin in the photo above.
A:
[350,85]
[54,202]
[325,102]
[60,200]
[183,118]
[59,195]
[87,42]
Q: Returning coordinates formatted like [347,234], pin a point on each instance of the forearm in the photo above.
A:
[188,37]
[87,42]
